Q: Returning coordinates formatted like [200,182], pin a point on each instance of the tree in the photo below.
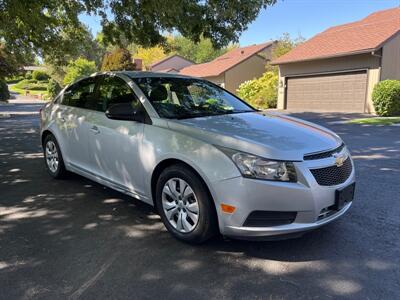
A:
[285,44]
[200,52]
[118,60]
[78,69]
[88,48]
[51,28]
[148,55]
[8,64]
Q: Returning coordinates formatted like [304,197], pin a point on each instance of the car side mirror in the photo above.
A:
[125,112]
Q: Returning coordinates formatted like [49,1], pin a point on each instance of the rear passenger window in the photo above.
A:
[81,94]
[114,90]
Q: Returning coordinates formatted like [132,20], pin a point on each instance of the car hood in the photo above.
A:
[269,135]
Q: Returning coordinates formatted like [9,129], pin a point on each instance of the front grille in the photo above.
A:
[321,155]
[333,175]
[261,218]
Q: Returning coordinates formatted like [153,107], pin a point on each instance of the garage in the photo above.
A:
[344,92]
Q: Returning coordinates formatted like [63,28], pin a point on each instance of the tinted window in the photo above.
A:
[189,98]
[80,94]
[114,90]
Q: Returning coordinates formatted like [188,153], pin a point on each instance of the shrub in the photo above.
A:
[53,88]
[386,98]
[31,84]
[261,92]
[40,75]
[118,60]
[77,69]
[28,75]
[14,79]
[4,93]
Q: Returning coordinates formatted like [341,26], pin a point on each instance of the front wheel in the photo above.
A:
[185,205]
[53,157]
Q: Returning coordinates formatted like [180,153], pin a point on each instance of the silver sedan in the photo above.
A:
[205,159]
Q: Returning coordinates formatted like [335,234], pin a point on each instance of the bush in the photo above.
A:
[4,93]
[261,92]
[386,98]
[28,75]
[31,84]
[79,68]
[14,79]
[53,88]
[40,75]
[118,60]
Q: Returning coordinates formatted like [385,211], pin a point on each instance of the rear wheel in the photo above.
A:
[53,157]
[185,205]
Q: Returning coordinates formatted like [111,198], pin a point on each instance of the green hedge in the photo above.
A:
[30,84]
[4,93]
[53,88]
[40,75]
[386,98]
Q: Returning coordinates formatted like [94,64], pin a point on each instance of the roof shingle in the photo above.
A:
[362,36]
[224,62]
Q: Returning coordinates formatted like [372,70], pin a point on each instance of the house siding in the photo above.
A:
[220,80]
[391,59]
[174,62]
[248,69]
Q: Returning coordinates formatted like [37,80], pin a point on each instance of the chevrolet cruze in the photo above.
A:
[206,160]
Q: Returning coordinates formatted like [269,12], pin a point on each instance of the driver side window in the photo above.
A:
[114,90]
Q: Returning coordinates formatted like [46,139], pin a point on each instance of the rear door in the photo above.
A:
[72,125]
[113,144]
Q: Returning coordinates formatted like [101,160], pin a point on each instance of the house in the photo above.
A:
[337,69]
[234,67]
[171,64]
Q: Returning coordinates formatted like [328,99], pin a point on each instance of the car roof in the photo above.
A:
[144,74]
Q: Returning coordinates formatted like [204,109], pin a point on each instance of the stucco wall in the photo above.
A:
[248,69]
[391,59]
[338,64]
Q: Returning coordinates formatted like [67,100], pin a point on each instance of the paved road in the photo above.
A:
[77,239]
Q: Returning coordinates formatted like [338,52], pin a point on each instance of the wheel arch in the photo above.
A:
[162,165]
[45,133]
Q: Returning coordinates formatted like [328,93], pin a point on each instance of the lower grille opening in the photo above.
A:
[260,218]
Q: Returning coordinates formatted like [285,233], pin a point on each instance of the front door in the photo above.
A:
[113,144]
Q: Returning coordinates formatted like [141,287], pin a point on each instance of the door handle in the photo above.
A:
[95,129]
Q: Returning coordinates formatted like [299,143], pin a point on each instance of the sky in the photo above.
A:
[297,17]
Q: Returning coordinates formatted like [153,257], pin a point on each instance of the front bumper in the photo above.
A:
[306,197]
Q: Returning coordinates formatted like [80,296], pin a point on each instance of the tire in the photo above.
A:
[53,158]
[178,211]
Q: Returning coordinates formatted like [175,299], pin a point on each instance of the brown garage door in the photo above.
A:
[343,92]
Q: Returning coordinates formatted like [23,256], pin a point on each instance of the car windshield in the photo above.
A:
[181,98]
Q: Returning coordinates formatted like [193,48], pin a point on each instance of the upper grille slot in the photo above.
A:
[333,175]
[322,155]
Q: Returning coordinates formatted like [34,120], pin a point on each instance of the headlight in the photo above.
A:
[252,166]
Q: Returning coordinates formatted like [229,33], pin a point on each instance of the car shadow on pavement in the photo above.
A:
[75,238]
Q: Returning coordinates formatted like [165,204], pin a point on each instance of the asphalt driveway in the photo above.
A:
[77,239]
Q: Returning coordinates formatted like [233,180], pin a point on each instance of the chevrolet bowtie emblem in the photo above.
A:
[340,158]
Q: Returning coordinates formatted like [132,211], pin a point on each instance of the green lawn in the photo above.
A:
[16,89]
[376,121]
